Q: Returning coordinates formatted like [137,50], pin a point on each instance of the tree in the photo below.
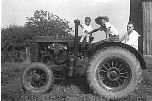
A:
[15,37]
[45,23]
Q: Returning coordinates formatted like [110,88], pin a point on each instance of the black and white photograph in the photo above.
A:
[76,50]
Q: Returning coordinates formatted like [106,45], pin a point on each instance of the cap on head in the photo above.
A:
[101,17]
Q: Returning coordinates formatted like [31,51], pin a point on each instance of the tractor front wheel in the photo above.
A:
[37,78]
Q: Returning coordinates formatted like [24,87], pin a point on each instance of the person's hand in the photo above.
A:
[89,33]
[86,32]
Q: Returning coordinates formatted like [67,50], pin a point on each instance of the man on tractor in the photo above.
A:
[131,36]
[111,33]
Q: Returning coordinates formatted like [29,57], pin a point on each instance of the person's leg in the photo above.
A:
[87,39]
[114,38]
[83,36]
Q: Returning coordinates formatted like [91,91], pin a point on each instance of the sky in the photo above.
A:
[16,11]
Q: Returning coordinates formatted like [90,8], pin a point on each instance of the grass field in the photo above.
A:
[63,90]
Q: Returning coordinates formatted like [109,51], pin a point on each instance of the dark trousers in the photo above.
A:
[113,38]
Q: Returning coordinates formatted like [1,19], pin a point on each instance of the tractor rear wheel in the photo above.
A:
[37,78]
[114,73]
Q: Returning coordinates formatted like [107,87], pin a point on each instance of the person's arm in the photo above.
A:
[107,33]
[95,30]
[108,26]
[132,40]
[123,38]
[81,26]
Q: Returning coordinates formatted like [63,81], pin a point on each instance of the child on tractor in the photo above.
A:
[86,29]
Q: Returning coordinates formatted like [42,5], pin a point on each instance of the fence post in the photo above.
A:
[28,61]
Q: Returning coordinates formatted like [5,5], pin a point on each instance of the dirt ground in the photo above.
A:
[75,89]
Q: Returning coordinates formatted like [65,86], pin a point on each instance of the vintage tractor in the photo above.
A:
[113,69]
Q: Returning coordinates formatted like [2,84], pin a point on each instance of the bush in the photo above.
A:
[13,56]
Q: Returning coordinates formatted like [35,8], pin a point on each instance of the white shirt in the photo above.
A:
[133,39]
[113,30]
[86,28]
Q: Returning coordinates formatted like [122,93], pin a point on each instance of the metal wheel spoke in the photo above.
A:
[123,77]
[121,69]
[42,82]
[119,66]
[105,81]
[43,76]
[103,77]
[123,73]
[32,83]
[120,81]
[102,71]
[39,84]
[114,84]
[116,65]
[112,63]
[110,83]
[39,71]
[108,65]
[31,73]
[105,67]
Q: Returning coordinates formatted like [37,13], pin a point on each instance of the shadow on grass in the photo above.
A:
[81,83]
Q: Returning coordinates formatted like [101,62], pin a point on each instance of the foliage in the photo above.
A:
[45,23]
[13,55]
[14,38]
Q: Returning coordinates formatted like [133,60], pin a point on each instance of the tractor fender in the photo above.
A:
[138,55]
